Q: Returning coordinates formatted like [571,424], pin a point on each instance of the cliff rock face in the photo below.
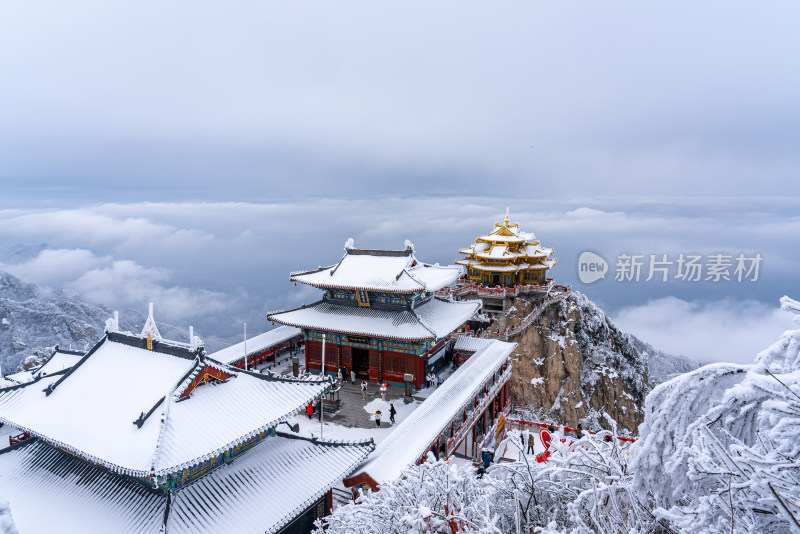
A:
[574,365]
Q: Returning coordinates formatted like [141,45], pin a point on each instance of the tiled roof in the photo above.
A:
[91,409]
[470,344]
[433,319]
[266,488]
[52,491]
[258,343]
[393,270]
[261,491]
[59,361]
[418,431]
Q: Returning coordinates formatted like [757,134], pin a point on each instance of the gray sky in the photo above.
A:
[197,153]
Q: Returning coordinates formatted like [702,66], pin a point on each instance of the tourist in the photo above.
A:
[353,377]
[310,410]
[364,390]
[339,374]
[383,390]
[441,381]
[579,432]
[486,455]
[531,443]
[378,417]
[392,413]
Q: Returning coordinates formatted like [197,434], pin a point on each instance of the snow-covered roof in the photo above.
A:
[433,319]
[470,344]
[500,267]
[59,361]
[22,377]
[507,243]
[6,383]
[92,409]
[266,488]
[256,344]
[501,251]
[380,270]
[507,233]
[414,435]
[261,491]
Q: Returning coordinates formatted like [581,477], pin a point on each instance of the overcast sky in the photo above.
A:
[196,153]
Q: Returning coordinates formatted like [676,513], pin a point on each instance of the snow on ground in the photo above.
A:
[426,392]
[403,410]
[332,431]
[283,363]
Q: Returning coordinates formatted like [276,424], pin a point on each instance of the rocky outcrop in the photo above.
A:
[573,365]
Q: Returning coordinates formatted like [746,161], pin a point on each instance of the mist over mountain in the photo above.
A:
[663,366]
[33,320]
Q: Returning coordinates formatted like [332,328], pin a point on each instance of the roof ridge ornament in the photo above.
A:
[150,326]
[506,215]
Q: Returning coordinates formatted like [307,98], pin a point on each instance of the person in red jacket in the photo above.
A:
[309,410]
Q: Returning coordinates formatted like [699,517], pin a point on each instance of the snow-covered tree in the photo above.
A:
[719,451]
[432,497]
[720,447]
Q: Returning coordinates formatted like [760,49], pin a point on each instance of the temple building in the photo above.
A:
[143,434]
[378,315]
[461,417]
[507,257]
[261,348]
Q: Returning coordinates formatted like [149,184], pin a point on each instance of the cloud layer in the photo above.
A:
[219,264]
[722,330]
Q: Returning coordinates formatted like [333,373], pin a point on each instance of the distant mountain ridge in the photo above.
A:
[662,366]
[34,320]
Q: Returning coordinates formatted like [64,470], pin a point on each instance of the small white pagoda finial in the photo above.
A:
[409,244]
[349,244]
[150,326]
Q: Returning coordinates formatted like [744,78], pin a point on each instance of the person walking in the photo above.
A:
[378,418]
[339,375]
[352,377]
[384,386]
[392,413]
[531,443]
[309,410]
[364,390]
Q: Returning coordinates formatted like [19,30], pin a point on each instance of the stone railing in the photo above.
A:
[528,320]
[497,291]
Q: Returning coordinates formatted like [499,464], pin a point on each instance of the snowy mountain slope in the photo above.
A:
[33,320]
[662,366]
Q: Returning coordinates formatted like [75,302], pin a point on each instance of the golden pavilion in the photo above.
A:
[507,257]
